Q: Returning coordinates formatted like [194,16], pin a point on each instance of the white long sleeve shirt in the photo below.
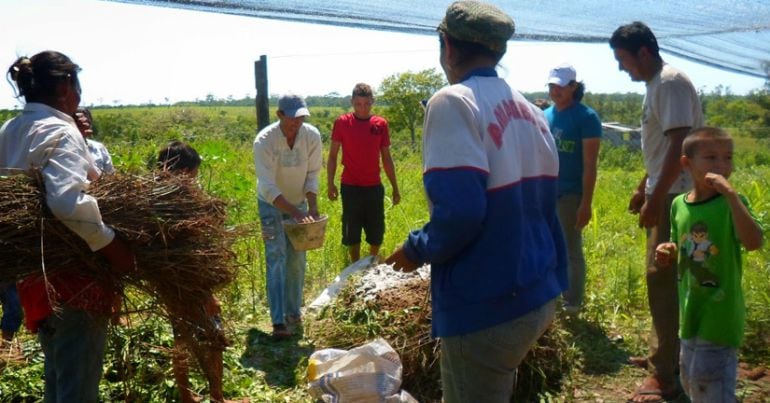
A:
[281,170]
[47,139]
[101,157]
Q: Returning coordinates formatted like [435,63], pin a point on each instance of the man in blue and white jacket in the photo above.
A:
[497,254]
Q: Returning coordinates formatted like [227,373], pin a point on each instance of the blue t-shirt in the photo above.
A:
[570,127]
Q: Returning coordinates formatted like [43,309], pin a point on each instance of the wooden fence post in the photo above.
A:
[262,100]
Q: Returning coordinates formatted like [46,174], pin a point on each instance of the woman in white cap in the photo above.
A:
[497,255]
[577,131]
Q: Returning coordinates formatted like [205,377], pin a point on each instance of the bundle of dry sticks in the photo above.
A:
[177,231]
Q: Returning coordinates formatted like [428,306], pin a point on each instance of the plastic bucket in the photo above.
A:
[306,236]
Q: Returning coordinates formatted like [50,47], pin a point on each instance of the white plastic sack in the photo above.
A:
[368,373]
[328,294]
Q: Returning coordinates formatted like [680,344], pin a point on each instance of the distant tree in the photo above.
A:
[621,108]
[403,93]
[766,67]
[333,99]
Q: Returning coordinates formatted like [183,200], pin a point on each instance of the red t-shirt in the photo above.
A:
[362,140]
[65,286]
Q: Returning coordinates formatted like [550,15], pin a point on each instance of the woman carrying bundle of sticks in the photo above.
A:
[67,308]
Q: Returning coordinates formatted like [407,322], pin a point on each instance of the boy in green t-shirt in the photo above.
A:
[708,226]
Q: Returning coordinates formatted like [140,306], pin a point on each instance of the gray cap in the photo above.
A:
[478,22]
[293,106]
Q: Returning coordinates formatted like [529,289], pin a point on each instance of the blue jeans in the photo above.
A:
[708,371]
[567,210]
[73,344]
[481,366]
[285,265]
[12,314]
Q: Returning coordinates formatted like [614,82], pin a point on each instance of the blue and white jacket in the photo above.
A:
[490,173]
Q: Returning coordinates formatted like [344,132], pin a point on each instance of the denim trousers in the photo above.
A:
[708,371]
[73,343]
[12,313]
[567,207]
[285,265]
[481,366]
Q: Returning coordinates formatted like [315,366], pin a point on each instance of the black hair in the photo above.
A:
[634,36]
[178,156]
[37,77]
[700,227]
[700,135]
[363,90]
[580,91]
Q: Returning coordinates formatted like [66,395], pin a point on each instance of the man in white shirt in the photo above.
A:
[287,156]
[671,109]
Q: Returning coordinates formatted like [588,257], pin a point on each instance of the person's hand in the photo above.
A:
[636,202]
[650,213]
[583,216]
[332,192]
[719,183]
[400,262]
[302,217]
[665,254]
[396,197]
[314,214]
[120,256]
[83,124]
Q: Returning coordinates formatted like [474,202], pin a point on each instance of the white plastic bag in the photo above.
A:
[368,373]
[339,282]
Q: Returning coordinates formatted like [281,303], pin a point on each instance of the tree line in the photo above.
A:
[399,99]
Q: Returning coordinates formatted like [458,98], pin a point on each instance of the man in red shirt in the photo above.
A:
[364,139]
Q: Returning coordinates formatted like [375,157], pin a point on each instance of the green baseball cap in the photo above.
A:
[478,22]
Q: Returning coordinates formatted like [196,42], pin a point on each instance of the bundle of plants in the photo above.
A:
[177,231]
[402,316]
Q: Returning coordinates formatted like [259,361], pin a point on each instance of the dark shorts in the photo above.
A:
[363,207]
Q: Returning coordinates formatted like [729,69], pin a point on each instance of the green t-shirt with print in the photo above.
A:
[711,304]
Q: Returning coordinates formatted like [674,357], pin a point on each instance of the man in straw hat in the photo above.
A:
[287,156]
[497,255]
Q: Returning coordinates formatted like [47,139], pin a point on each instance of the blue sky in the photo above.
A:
[133,54]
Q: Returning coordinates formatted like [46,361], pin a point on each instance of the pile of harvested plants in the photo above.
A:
[402,316]
[177,231]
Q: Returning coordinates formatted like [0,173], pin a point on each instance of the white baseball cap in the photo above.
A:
[562,75]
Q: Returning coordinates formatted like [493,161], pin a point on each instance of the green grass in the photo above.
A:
[616,307]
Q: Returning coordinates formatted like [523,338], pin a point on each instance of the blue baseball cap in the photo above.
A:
[293,106]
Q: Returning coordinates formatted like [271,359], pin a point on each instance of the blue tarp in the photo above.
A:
[729,34]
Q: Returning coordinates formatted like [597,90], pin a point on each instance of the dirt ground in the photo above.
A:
[753,386]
